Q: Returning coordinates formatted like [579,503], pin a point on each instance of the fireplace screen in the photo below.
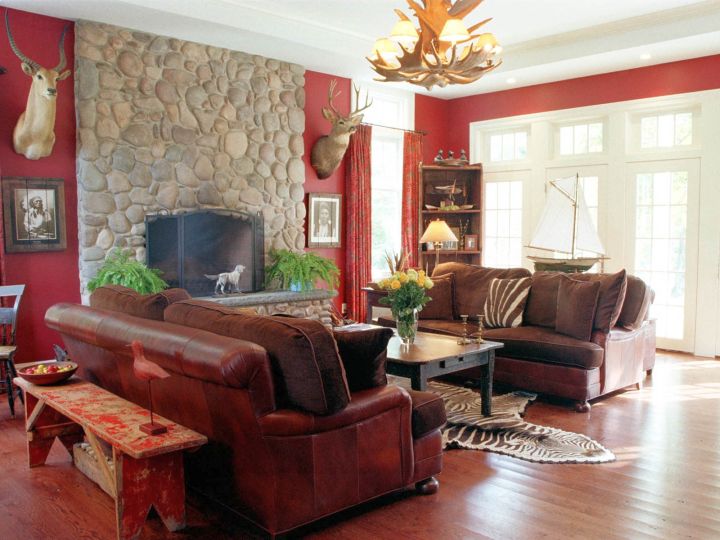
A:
[192,249]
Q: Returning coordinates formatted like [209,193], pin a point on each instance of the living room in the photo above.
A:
[169,109]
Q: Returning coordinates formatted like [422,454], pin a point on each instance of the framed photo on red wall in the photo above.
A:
[34,214]
[324,224]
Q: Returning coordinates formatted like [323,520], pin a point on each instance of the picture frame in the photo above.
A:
[34,214]
[471,242]
[325,220]
[452,246]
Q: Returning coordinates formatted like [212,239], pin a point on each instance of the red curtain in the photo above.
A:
[412,155]
[358,262]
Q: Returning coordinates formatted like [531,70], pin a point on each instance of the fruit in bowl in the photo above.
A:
[49,372]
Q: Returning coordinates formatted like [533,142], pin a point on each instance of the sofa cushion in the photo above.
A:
[638,298]
[428,412]
[471,284]
[441,305]
[541,306]
[610,298]
[129,301]
[540,344]
[363,352]
[576,304]
[309,373]
[505,302]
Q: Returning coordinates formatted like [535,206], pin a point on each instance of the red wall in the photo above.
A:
[660,80]
[431,116]
[51,276]
[316,97]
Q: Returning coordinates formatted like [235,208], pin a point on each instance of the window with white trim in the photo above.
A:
[502,242]
[581,139]
[666,130]
[509,146]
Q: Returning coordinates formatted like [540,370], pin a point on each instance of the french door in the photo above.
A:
[662,203]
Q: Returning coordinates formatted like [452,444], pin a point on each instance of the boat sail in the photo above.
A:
[566,227]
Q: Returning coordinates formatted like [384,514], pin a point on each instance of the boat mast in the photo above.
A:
[575,213]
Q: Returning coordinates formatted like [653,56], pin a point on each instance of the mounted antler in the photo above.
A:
[34,134]
[329,149]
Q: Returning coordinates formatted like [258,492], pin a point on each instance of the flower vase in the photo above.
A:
[407,325]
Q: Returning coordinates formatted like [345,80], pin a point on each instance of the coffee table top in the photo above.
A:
[434,348]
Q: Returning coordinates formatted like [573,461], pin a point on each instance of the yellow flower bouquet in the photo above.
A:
[406,298]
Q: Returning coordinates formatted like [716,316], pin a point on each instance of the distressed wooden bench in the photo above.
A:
[144,470]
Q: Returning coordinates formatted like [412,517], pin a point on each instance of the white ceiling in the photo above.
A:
[543,41]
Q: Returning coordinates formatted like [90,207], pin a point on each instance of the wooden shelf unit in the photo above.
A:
[468,187]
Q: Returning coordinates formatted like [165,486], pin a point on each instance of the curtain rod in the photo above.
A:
[399,129]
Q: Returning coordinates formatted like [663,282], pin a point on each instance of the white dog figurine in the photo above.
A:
[231,279]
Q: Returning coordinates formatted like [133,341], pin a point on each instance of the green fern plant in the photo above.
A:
[302,270]
[120,268]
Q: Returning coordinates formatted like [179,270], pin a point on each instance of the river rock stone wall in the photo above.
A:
[166,125]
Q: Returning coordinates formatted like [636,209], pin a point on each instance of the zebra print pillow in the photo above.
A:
[505,302]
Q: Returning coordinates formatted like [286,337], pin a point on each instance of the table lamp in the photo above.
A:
[438,232]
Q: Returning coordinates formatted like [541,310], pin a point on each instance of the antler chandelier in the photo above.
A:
[443,51]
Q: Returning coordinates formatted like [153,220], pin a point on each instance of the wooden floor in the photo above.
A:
[665,483]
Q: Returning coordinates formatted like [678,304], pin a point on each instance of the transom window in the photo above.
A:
[581,139]
[666,130]
[509,146]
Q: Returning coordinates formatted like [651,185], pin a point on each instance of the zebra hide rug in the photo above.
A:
[505,432]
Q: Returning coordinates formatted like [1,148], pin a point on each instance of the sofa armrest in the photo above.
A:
[365,405]
[363,352]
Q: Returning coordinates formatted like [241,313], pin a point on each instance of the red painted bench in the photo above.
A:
[145,470]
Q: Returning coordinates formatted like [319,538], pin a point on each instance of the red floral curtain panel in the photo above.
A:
[358,199]
[412,155]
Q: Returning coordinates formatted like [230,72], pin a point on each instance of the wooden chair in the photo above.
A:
[8,318]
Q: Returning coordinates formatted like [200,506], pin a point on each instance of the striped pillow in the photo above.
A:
[505,302]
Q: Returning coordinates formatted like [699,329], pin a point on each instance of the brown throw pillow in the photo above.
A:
[610,299]
[541,307]
[441,305]
[576,303]
[131,302]
[363,354]
[308,372]
[505,302]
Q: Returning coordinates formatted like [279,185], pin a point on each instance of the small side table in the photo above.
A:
[372,299]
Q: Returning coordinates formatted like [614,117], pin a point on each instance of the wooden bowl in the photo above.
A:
[43,379]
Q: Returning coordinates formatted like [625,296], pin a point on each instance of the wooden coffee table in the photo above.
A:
[433,355]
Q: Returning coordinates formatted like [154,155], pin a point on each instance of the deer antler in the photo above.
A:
[62,63]
[332,95]
[15,48]
[368,102]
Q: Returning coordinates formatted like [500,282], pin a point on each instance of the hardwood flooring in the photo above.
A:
[665,483]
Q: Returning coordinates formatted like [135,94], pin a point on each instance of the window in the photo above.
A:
[581,139]
[666,130]
[502,246]
[509,146]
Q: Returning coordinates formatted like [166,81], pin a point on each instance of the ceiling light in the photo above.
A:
[511,80]
[442,51]
[645,56]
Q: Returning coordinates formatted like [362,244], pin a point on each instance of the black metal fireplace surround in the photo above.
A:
[186,247]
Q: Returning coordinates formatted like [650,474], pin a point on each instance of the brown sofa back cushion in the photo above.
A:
[638,298]
[441,305]
[541,306]
[131,302]
[610,298]
[363,353]
[471,284]
[576,304]
[305,358]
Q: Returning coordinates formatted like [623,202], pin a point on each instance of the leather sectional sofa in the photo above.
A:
[301,423]
[618,353]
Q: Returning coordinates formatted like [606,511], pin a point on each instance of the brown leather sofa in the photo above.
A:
[619,352]
[292,439]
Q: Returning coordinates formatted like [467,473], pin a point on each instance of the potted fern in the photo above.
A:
[299,271]
[120,268]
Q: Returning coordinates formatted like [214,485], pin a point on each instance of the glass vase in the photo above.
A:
[407,325]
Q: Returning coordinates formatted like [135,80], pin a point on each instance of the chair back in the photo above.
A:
[8,315]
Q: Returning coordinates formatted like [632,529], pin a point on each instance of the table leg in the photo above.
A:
[157,481]
[418,380]
[42,426]
[486,381]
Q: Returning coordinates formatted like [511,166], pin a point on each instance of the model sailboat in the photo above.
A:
[565,228]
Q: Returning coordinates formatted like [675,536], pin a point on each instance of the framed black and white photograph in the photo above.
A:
[325,211]
[34,211]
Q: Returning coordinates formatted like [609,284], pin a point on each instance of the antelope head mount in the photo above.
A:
[34,134]
[329,149]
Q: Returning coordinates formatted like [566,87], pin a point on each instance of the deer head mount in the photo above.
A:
[34,134]
[329,149]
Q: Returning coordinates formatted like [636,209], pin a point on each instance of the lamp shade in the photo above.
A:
[404,33]
[438,231]
[385,49]
[454,30]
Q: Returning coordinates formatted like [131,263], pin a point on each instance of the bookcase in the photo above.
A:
[453,194]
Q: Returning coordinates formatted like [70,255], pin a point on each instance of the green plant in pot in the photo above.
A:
[299,271]
[121,268]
